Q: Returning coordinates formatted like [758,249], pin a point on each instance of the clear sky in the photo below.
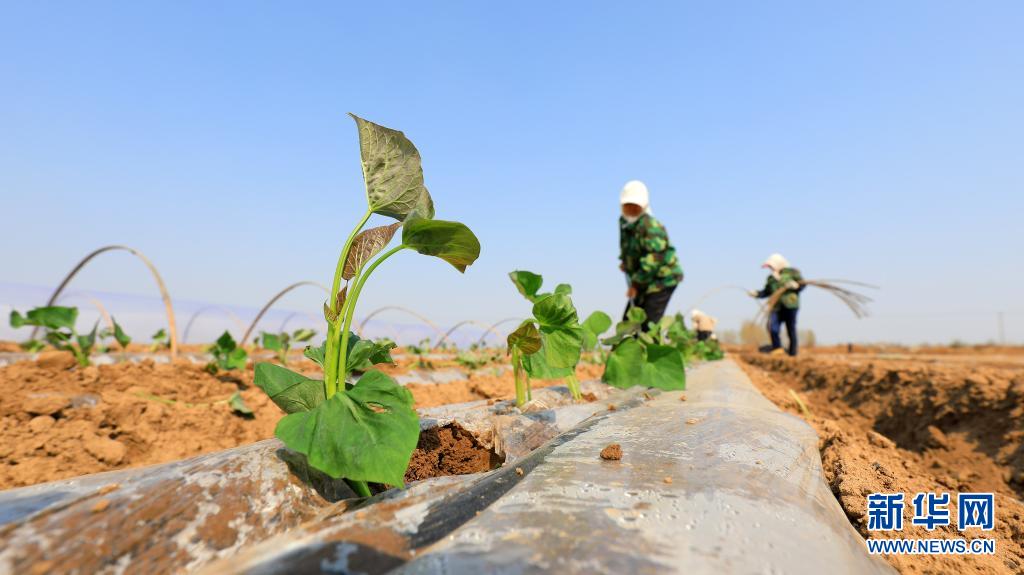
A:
[878,141]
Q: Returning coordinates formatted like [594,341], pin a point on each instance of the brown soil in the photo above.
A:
[912,426]
[612,452]
[480,385]
[449,451]
[58,420]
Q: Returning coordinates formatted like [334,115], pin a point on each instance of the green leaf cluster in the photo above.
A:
[366,430]
[281,343]
[548,344]
[59,321]
[227,354]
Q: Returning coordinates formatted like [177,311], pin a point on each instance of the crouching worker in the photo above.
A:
[646,255]
[788,279]
[703,324]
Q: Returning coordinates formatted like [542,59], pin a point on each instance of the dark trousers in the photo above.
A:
[703,335]
[654,304]
[783,315]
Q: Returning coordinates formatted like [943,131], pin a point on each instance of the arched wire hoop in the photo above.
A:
[272,301]
[171,327]
[188,326]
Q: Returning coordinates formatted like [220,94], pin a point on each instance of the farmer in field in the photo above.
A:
[703,324]
[788,280]
[646,256]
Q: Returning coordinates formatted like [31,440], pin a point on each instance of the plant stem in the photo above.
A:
[350,310]
[361,488]
[331,355]
[517,374]
[574,386]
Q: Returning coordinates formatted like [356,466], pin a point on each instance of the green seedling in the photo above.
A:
[639,358]
[160,341]
[227,355]
[548,344]
[61,334]
[365,430]
[281,343]
[32,345]
[420,351]
[120,337]
[474,360]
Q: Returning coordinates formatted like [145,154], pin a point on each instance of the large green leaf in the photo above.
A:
[392,172]
[292,392]
[632,363]
[526,338]
[52,317]
[528,283]
[555,310]
[225,342]
[538,367]
[561,333]
[596,324]
[664,368]
[451,241]
[367,433]
[271,341]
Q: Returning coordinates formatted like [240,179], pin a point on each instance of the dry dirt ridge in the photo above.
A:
[58,420]
[908,426]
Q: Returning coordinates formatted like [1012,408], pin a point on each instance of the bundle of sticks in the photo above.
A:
[857,302]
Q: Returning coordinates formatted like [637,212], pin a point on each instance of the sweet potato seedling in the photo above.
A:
[160,341]
[644,358]
[548,344]
[120,337]
[365,430]
[227,355]
[281,343]
[59,322]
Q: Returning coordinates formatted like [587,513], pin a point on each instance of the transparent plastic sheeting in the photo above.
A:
[746,495]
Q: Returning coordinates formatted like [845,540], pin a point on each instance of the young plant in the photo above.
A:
[365,430]
[420,351]
[32,345]
[227,355]
[281,343]
[117,333]
[643,358]
[160,341]
[60,325]
[547,345]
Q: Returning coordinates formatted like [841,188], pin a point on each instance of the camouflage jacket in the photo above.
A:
[789,300]
[647,256]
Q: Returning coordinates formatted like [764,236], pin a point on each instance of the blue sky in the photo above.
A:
[878,141]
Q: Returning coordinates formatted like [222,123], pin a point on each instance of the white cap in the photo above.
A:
[696,313]
[775,262]
[635,192]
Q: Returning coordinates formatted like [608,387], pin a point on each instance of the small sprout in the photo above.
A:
[227,355]
[160,341]
[237,405]
[612,452]
[281,343]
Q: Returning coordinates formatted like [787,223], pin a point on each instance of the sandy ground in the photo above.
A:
[906,425]
[58,420]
